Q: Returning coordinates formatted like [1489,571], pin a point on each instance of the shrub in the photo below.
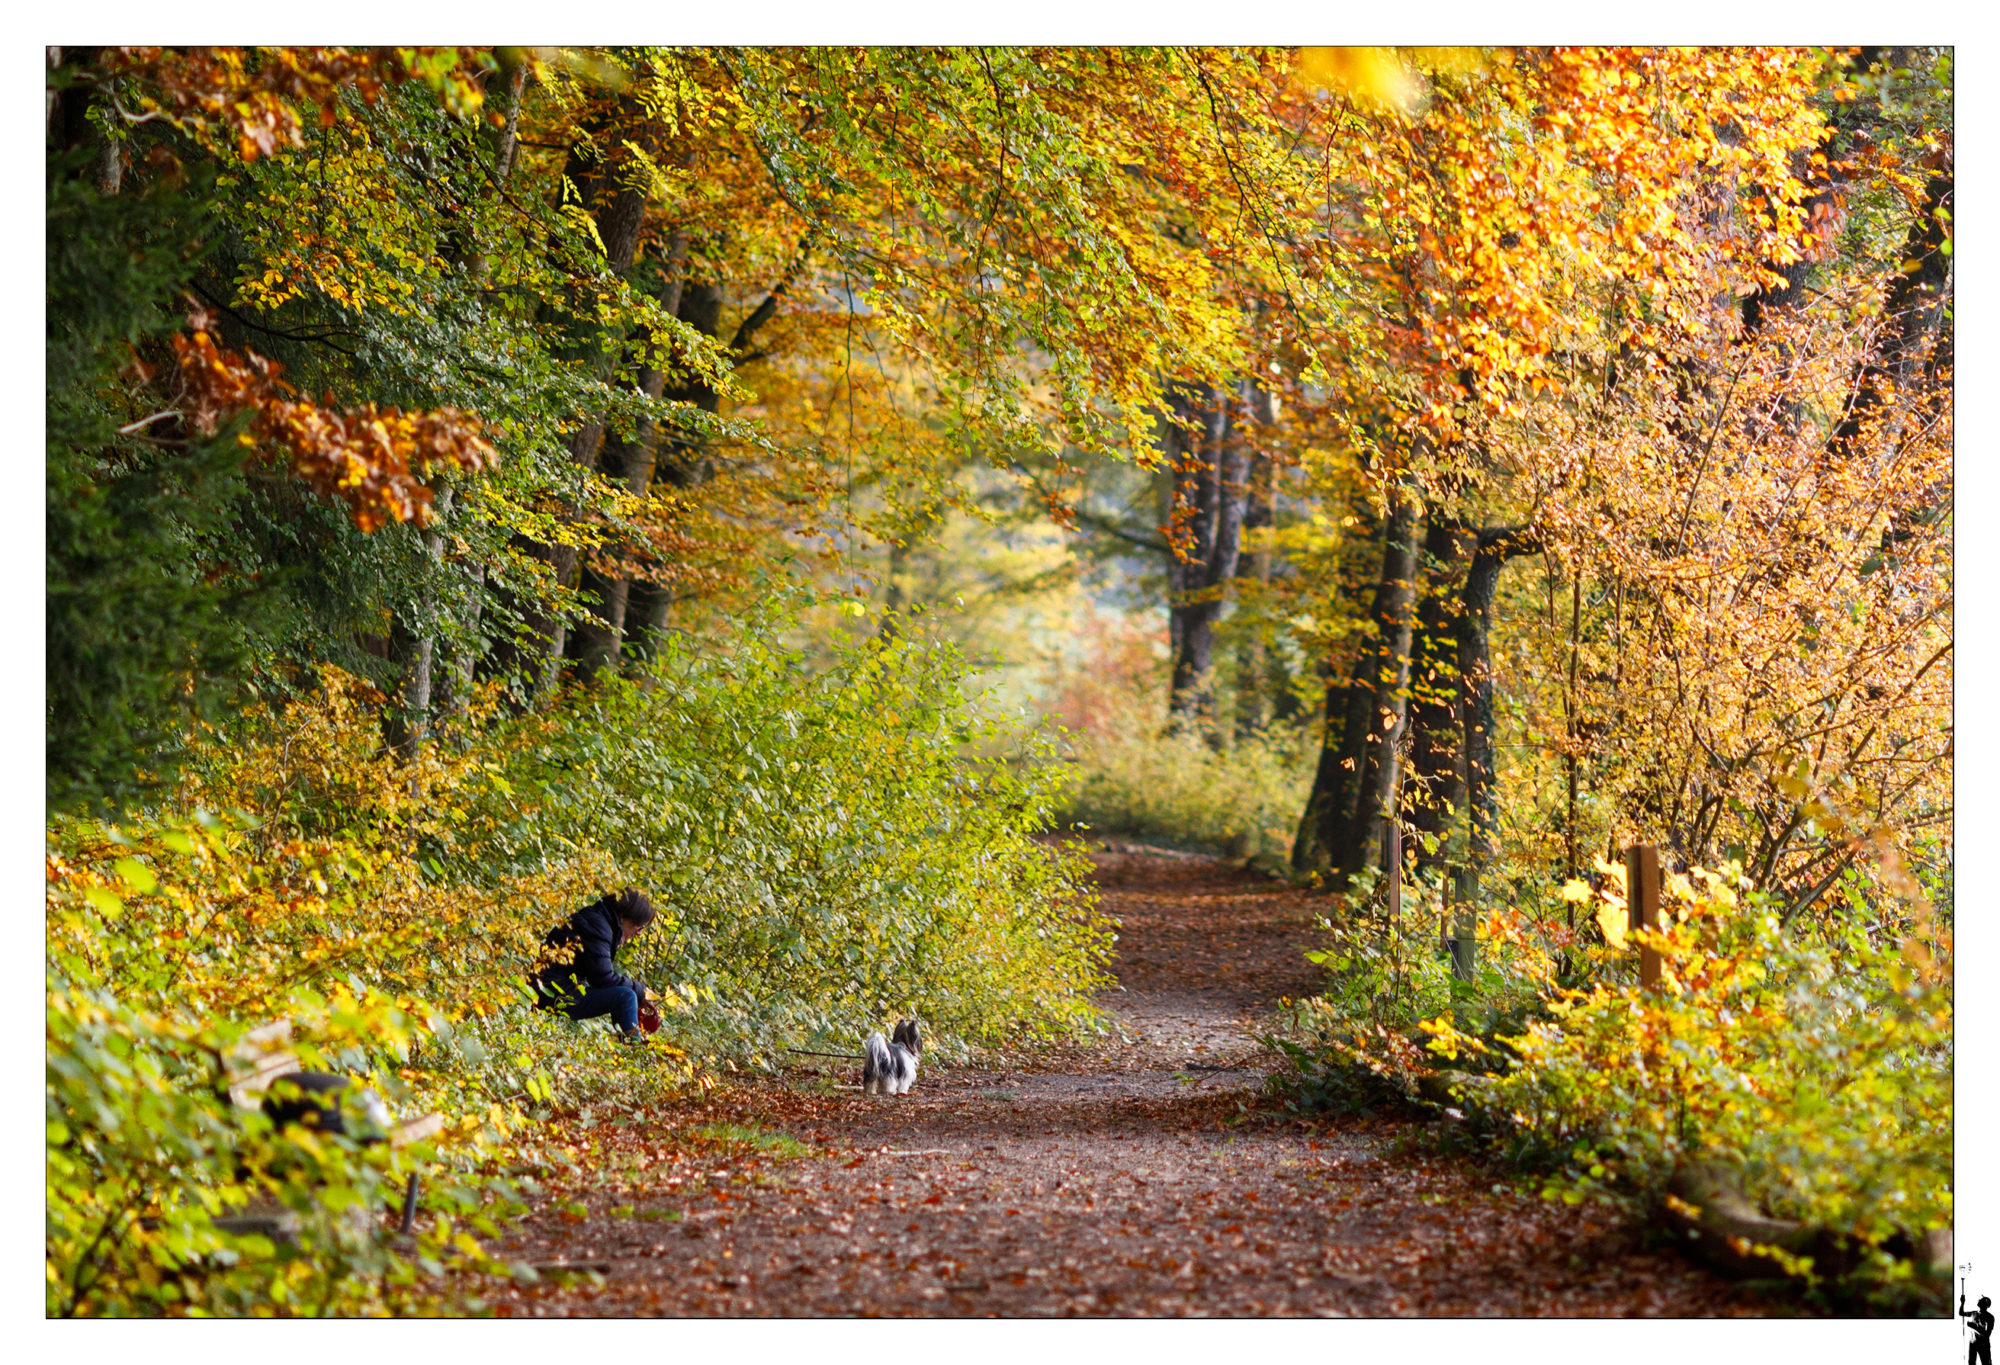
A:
[1244,800]
[829,849]
[142,1158]
[823,852]
[1359,1044]
[1134,774]
[1815,1060]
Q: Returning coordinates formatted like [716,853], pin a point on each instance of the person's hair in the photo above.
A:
[633,907]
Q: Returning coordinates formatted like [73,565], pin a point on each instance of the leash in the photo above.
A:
[808,1052]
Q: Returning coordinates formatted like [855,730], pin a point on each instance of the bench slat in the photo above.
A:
[262,1039]
[253,1082]
[254,1068]
[416,1130]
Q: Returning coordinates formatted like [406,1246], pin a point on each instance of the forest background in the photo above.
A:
[797,480]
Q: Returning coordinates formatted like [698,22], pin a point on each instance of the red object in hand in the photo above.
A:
[649,1018]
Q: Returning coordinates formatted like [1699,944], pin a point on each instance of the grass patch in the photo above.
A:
[753,1138]
[646,1215]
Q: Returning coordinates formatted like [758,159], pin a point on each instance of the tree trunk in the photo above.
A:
[1173,446]
[407,720]
[599,636]
[1475,670]
[1210,490]
[1189,458]
[1912,315]
[1387,676]
[1435,789]
[1253,667]
[453,669]
[679,462]
[1337,780]
[682,460]
[1475,666]
[1344,725]
[619,227]
[619,211]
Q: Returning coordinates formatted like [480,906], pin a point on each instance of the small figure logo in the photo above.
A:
[1980,1350]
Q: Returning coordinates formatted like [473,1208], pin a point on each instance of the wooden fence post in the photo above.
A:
[1445,884]
[1392,854]
[1642,901]
[1465,922]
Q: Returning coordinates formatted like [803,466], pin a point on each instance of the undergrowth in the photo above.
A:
[1203,785]
[822,854]
[1812,1059]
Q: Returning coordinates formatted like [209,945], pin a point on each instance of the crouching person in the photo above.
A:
[582,980]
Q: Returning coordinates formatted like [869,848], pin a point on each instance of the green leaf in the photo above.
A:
[137,875]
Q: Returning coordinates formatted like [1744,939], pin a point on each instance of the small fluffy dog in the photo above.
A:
[889,1065]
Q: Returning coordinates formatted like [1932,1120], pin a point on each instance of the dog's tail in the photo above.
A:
[877,1067]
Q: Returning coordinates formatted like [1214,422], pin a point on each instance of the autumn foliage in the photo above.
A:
[477,474]
[368,457]
[260,96]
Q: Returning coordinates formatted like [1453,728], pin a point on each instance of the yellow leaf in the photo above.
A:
[136,874]
[1574,890]
[1611,919]
[1367,75]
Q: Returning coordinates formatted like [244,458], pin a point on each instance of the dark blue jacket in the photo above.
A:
[582,947]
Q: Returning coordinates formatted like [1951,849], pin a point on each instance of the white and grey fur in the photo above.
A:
[889,1065]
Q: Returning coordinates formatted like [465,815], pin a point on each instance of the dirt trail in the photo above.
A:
[1141,1176]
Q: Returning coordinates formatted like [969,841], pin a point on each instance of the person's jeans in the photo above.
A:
[620,1002]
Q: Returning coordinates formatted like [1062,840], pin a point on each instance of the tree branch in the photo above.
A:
[768,309]
[1104,524]
[1840,866]
[319,339]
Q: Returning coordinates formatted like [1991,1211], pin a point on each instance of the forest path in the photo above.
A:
[1139,1176]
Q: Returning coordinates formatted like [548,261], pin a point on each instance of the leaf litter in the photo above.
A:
[1141,1174]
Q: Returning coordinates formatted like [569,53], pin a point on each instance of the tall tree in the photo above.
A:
[1210,461]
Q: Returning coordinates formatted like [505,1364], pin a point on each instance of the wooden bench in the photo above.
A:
[256,1062]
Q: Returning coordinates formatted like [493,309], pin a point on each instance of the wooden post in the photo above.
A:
[1642,900]
[1465,925]
[1392,851]
[1445,883]
[1392,854]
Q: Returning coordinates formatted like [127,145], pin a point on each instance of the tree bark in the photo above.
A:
[1913,313]
[1387,676]
[1253,667]
[682,459]
[1337,780]
[1475,666]
[1344,724]
[1822,204]
[680,462]
[1210,488]
[600,635]
[408,721]
[1436,786]
[453,669]
[618,226]
[619,211]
